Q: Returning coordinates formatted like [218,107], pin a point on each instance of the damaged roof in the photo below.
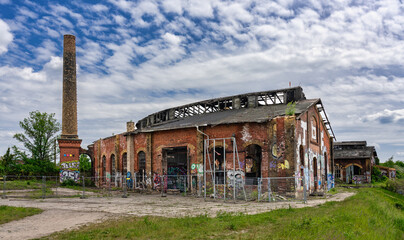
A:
[366,152]
[243,115]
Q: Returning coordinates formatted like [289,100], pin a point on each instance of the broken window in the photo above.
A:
[141,159]
[104,167]
[337,172]
[253,164]
[218,160]
[314,130]
[112,167]
[124,163]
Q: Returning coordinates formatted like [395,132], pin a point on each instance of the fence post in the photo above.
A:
[43,187]
[84,186]
[4,188]
[269,190]
[185,184]
[259,189]
[304,189]
[134,180]
[57,186]
[109,187]
[199,186]
[163,186]
[125,190]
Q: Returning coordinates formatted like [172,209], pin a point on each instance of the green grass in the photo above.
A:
[373,213]
[8,214]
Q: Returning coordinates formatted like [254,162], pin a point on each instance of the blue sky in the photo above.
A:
[138,57]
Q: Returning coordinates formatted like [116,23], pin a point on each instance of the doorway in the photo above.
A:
[175,165]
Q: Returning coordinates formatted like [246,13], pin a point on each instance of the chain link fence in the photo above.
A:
[226,188]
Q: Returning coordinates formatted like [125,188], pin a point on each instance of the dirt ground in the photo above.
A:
[69,213]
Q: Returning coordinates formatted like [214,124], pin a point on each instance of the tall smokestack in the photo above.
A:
[69,142]
[69,114]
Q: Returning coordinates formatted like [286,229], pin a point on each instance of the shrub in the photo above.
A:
[69,182]
[391,185]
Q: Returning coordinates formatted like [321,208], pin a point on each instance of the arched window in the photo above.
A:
[141,160]
[113,165]
[301,155]
[314,130]
[253,164]
[124,164]
[104,167]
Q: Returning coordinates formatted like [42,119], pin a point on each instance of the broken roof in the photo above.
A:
[366,152]
[243,115]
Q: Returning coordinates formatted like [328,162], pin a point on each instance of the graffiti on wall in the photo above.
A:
[176,170]
[129,181]
[330,181]
[278,153]
[236,176]
[69,175]
[156,180]
[69,171]
[71,165]
[197,168]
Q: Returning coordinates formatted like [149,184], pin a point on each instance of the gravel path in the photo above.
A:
[70,213]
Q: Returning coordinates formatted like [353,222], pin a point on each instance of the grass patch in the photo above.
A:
[8,214]
[373,213]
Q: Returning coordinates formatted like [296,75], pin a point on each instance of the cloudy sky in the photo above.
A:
[136,58]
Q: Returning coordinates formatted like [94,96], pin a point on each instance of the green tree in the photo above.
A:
[389,163]
[39,135]
[85,163]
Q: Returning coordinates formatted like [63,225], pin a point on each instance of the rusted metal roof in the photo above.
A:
[243,115]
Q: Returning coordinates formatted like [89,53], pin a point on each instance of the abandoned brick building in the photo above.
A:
[269,138]
[354,161]
[248,137]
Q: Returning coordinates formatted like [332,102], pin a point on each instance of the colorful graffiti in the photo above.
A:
[176,170]
[156,180]
[284,165]
[129,180]
[197,168]
[69,175]
[72,165]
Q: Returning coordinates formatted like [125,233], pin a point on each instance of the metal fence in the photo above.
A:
[223,188]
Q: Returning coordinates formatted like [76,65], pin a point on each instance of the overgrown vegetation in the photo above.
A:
[398,165]
[38,139]
[290,109]
[373,213]
[8,214]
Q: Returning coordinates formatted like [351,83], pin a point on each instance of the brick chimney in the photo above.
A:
[69,143]
[69,114]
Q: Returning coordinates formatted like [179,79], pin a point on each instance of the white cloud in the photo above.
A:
[172,6]
[5,36]
[26,74]
[387,116]
[99,7]
[137,59]
[200,9]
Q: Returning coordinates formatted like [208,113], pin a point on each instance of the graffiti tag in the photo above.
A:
[67,174]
